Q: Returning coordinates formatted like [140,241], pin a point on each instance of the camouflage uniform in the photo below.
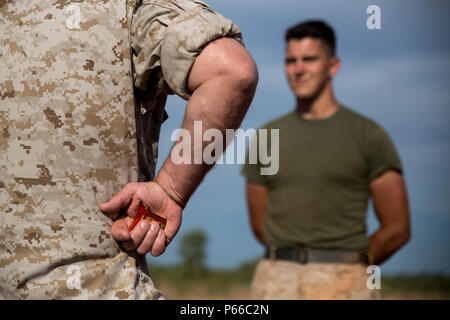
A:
[285,280]
[68,141]
[166,37]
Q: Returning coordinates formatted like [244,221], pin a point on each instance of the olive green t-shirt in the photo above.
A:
[319,196]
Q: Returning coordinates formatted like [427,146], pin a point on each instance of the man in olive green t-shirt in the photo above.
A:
[311,215]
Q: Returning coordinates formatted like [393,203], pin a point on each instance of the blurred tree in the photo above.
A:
[192,249]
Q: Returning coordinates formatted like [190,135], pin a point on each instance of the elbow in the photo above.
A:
[238,66]
[227,64]
[248,76]
[405,233]
[402,236]
[259,234]
[406,236]
[243,75]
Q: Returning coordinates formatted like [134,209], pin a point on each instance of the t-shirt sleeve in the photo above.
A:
[251,169]
[382,154]
[252,173]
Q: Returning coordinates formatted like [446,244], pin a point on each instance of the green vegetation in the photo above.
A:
[214,281]
[220,282]
[426,284]
[192,250]
[193,273]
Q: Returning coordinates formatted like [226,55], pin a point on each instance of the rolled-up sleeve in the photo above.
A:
[167,36]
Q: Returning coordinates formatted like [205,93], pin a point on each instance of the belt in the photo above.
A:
[304,255]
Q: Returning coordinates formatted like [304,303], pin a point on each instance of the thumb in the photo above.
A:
[118,201]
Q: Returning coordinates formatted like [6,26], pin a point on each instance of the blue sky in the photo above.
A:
[398,76]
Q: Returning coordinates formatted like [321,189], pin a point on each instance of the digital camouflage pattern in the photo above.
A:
[166,37]
[68,143]
[287,280]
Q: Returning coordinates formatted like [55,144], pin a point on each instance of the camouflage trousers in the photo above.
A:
[286,280]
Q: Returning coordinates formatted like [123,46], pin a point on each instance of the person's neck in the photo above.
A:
[319,107]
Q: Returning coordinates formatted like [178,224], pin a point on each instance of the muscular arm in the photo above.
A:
[223,81]
[391,207]
[257,207]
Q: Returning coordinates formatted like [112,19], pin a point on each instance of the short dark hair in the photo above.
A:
[315,29]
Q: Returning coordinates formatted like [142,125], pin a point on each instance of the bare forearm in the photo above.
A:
[219,103]
[384,243]
[214,111]
[259,235]
[257,205]
[391,207]
[258,211]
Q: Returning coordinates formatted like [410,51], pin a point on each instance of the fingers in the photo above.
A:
[159,246]
[147,237]
[119,229]
[142,237]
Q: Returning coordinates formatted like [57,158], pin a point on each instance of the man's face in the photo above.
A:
[309,66]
